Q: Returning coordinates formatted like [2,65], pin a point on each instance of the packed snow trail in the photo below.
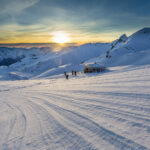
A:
[98,111]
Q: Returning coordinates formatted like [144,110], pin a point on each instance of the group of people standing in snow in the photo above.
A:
[67,75]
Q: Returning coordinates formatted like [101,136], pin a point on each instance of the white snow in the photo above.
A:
[44,62]
[99,111]
[41,110]
[41,62]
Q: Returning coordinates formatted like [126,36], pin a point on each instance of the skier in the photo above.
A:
[75,73]
[67,76]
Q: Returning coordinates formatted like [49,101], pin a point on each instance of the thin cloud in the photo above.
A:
[13,7]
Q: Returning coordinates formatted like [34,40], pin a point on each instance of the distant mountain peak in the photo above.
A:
[123,38]
[143,31]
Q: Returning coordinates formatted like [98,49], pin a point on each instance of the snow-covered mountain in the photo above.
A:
[41,63]
[22,63]
[133,50]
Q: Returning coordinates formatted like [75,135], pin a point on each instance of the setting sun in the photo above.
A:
[61,38]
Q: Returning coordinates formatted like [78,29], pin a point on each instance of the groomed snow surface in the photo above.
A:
[108,111]
[41,110]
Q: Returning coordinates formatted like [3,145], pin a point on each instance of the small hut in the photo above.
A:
[89,68]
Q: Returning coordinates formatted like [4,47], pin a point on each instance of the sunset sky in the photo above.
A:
[39,21]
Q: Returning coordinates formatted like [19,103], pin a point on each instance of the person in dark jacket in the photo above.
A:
[67,76]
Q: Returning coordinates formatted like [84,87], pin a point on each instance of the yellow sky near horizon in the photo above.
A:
[25,38]
[11,34]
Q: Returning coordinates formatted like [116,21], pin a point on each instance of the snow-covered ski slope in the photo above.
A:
[41,110]
[109,111]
